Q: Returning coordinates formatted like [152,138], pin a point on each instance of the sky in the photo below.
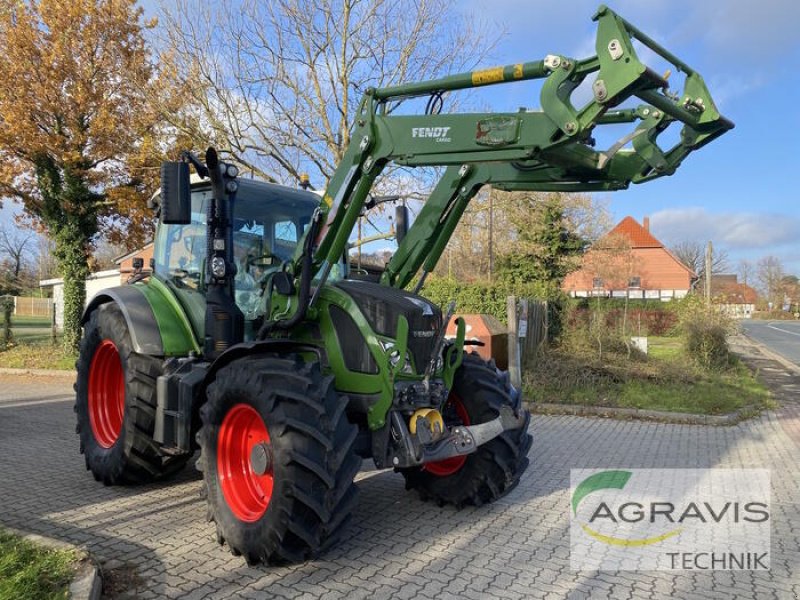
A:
[738,191]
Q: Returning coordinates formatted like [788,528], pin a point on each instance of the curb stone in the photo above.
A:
[38,372]
[87,583]
[661,416]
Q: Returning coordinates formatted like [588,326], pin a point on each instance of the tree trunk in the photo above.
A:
[70,213]
[7,304]
[72,254]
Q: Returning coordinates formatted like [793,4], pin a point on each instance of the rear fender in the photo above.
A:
[157,324]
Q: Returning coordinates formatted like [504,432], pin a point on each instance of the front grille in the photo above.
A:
[355,351]
[421,350]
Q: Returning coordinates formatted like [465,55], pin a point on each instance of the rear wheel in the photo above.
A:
[116,404]
[277,459]
[479,390]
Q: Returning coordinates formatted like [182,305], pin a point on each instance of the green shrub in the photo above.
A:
[482,297]
[642,317]
[705,333]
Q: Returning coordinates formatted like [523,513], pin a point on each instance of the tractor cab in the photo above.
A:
[268,221]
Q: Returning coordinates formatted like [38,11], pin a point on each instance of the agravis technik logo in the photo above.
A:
[636,519]
[612,480]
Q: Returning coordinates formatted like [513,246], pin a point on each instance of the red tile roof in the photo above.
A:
[726,289]
[639,236]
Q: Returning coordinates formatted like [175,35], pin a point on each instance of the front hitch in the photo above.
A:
[428,445]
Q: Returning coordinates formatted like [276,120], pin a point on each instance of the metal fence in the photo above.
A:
[32,307]
[528,327]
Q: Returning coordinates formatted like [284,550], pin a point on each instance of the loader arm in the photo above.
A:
[549,149]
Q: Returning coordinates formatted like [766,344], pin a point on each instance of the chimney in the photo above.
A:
[646,224]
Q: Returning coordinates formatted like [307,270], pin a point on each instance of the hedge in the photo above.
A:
[481,297]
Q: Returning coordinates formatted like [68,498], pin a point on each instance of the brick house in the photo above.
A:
[101,280]
[630,261]
[125,262]
[738,300]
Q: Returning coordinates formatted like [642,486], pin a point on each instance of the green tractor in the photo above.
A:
[252,341]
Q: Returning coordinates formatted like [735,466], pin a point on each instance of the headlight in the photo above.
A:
[218,267]
[394,357]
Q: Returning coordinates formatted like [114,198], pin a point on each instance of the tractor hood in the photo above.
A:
[382,306]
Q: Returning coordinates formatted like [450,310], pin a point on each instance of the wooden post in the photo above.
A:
[514,370]
[546,323]
[525,329]
[53,328]
[709,263]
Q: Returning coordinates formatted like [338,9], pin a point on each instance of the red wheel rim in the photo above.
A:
[246,492]
[450,466]
[106,394]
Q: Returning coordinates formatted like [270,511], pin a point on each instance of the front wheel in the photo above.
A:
[494,469]
[277,459]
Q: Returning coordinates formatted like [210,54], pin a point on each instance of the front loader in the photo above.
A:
[253,342]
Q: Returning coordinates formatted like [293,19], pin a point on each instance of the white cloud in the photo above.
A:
[734,230]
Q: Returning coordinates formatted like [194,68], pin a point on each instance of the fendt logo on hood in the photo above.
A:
[440,134]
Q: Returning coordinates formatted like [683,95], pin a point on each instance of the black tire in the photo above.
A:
[313,462]
[134,457]
[495,468]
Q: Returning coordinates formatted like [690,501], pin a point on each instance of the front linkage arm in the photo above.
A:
[547,150]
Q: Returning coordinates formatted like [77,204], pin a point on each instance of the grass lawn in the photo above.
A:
[33,572]
[664,380]
[28,329]
[37,355]
[27,321]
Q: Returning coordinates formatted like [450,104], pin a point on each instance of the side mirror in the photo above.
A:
[176,199]
[400,222]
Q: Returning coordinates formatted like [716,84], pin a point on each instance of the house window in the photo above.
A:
[597,282]
[635,282]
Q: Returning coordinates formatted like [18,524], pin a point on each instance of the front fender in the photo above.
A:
[157,325]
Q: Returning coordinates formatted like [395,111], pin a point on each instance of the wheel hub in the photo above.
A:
[261,458]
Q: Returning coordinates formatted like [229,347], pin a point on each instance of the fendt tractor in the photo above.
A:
[253,342]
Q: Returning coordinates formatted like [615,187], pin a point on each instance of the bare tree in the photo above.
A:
[770,273]
[612,263]
[46,263]
[277,84]
[692,253]
[17,245]
[746,271]
[791,290]
[104,255]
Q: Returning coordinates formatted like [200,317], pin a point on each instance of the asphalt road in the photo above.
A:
[782,337]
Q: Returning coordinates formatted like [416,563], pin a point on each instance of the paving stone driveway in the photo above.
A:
[155,541]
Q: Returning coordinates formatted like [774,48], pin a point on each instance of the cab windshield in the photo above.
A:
[268,223]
